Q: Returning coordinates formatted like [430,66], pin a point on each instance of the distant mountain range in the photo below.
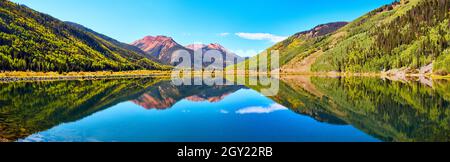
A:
[33,41]
[407,36]
[159,47]
[164,48]
[226,54]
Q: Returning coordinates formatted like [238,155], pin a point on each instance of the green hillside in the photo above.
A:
[30,40]
[407,34]
[298,46]
[111,40]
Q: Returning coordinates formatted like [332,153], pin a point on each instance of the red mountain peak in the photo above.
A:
[150,42]
[196,47]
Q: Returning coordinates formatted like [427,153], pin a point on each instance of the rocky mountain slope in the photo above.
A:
[164,48]
[225,53]
[160,47]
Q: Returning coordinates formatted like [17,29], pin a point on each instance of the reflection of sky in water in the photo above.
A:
[261,110]
[242,116]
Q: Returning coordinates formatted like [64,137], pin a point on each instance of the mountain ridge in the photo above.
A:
[159,47]
[112,40]
[30,40]
[398,38]
[322,29]
[300,44]
[164,48]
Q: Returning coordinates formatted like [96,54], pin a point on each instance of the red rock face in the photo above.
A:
[196,47]
[160,47]
[214,46]
[148,43]
[204,47]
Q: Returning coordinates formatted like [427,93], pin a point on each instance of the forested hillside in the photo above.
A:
[112,41]
[34,41]
[409,34]
[405,35]
[298,46]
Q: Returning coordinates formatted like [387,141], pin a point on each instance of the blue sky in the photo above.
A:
[243,26]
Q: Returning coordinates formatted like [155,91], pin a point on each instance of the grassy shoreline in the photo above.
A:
[14,76]
[368,74]
[24,74]
[29,75]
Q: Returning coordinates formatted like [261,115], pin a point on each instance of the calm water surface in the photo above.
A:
[150,109]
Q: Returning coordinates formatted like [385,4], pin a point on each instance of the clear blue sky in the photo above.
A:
[206,21]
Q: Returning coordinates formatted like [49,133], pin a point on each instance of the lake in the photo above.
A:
[306,109]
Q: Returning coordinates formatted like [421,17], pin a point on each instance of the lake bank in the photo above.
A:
[368,74]
[45,76]
[41,76]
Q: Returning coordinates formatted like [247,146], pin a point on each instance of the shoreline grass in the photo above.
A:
[368,74]
[30,75]
[18,76]
[24,74]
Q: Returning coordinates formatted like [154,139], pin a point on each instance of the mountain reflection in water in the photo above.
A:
[321,109]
